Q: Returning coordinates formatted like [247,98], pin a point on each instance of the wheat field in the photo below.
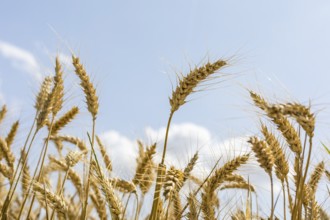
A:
[79,183]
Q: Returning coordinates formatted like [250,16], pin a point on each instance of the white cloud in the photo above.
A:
[122,151]
[21,59]
[184,140]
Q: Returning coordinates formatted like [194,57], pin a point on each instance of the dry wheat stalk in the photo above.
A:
[26,177]
[64,120]
[105,156]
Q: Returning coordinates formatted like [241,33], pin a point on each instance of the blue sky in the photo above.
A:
[134,49]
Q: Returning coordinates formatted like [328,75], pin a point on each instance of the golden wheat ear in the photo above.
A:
[209,198]
[64,120]
[92,100]
[3,112]
[188,84]
[263,153]
[105,155]
[281,163]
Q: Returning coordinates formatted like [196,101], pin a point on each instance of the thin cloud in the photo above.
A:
[184,140]
[21,59]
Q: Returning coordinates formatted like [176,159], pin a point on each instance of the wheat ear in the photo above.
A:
[316,177]
[144,174]
[281,164]
[105,155]
[218,177]
[3,112]
[12,133]
[44,91]
[188,83]
[59,87]
[283,124]
[114,203]
[64,120]
[89,90]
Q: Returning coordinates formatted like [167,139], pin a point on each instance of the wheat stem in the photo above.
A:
[84,211]
[272,196]
[13,187]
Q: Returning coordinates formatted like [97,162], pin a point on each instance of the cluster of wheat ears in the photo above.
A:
[283,148]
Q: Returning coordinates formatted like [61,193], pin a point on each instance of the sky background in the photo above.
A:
[134,50]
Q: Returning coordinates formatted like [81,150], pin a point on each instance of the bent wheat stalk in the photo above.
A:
[187,85]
